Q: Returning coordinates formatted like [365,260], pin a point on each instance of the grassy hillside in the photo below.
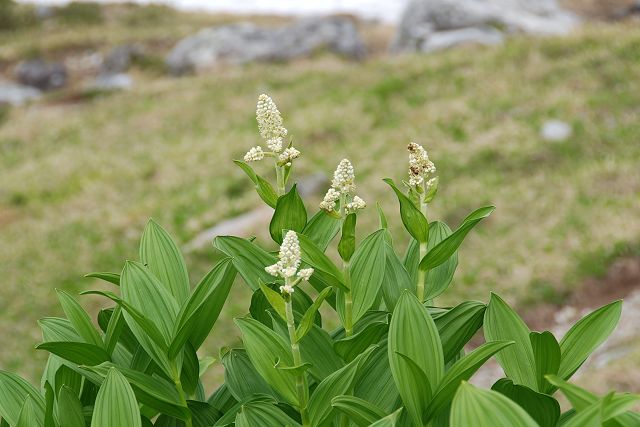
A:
[78,180]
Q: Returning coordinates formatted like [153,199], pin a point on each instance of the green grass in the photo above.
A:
[79,181]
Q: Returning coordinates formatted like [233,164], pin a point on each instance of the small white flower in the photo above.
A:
[288,257]
[288,155]
[330,199]
[269,120]
[272,269]
[275,144]
[343,177]
[254,154]
[420,167]
[305,273]
[356,204]
[286,289]
[430,183]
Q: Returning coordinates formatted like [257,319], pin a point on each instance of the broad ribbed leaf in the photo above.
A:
[50,398]
[349,347]
[263,187]
[347,244]
[307,320]
[316,348]
[447,247]
[388,421]
[544,409]
[79,319]
[358,410]
[322,228]
[416,391]
[116,404]
[546,352]
[249,259]
[413,334]
[338,383]
[485,408]
[290,214]
[163,258]
[367,272]
[414,220]
[261,414]
[147,295]
[458,325]
[264,348]
[190,372]
[240,376]
[13,392]
[501,323]
[374,382]
[200,312]
[79,353]
[587,335]
[396,279]
[462,370]
[579,398]
[27,416]
[106,276]
[114,329]
[69,409]
[275,300]
[437,279]
[325,270]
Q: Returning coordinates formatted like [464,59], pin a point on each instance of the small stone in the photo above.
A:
[555,131]
[113,82]
[17,94]
[41,74]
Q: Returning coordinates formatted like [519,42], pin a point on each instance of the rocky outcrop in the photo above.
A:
[423,20]
[41,74]
[17,94]
[245,42]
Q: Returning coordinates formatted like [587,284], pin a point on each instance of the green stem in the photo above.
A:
[422,251]
[188,422]
[280,179]
[348,301]
[301,381]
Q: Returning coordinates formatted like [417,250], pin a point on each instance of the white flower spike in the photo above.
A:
[289,260]
[343,188]
[420,167]
[254,154]
[270,123]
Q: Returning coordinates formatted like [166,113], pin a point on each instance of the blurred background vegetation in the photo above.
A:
[81,170]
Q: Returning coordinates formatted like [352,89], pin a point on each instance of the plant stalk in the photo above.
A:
[188,422]
[280,179]
[422,251]
[348,301]
[301,381]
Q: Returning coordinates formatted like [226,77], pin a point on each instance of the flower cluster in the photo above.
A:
[271,129]
[343,189]
[420,167]
[288,263]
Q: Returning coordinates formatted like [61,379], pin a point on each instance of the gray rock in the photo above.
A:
[555,131]
[245,42]
[16,94]
[447,39]
[119,59]
[112,82]
[42,75]
[422,18]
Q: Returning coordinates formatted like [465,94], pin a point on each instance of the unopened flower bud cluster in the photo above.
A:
[289,262]
[420,167]
[343,186]
[272,130]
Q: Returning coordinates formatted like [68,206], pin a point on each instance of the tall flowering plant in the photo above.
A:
[397,358]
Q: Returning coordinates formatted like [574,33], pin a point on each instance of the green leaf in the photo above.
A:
[79,353]
[316,348]
[240,376]
[374,382]
[27,416]
[163,258]
[248,259]
[334,385]
[546,352]
[388,421]
[359,411]
[485,408]
[263,187]
[501,323]
[147,295]
[69,409]
[458,325]
[264,348]
[200,312]
[411,259]
[462,370]
[347,244]
[396,279]
[321,229]
[79,319]
[416,391]
[414,220]
[349,347]
[587,335]
[290,214]
[447,247]
[438,279]
[579,398]
[307,320]
[544,409]
[107,277]
[413,334]
[261,414]
[114,330]
[190,373]
[383,223]
[50,398]
[275,300]
[367,272]
[13,392]
[116,404]
[324,269]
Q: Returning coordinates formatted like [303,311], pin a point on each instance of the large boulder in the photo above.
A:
[245,42]
[424,18]
[41,74]
[16,94]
